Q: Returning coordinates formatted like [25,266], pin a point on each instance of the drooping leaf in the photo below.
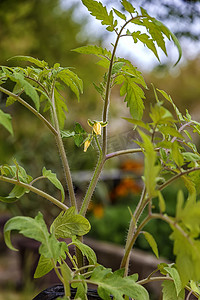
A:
[35,61]
[86,251]
[152,243]
[16,172]
[155,33]
[34,228]
[67,276]
[68,224]
[27,87]
[16,193]
[146,40]
[167,97]
[171,36]
[6,121]
[53,178]
[176,278]
[169,291]
[44,266]
[72,81]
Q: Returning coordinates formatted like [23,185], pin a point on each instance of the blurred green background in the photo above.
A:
[49,30]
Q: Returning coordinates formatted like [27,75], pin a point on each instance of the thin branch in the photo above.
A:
[34,190]
[33,110]
[128,151]
[178,176]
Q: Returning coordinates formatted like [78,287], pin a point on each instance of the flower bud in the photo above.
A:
[97,128]
[86,145]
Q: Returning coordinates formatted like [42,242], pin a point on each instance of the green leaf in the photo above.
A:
[171,36]
[5,120]
[93,49]
[152,243]
[72,81]
[78,134]
[115,284]
[16,193]
[176,278]
[44,266]
[16,172]
[68,224]
[155,33]
[151,170]
[67,276]
[61,108]
[176,154]
[35,61]
[162,204]
[167,97]
[161,115]
[117,67]
[134,97]
[169,291]
[128,6]
[168,130]
[53,178]
[86,251]
[189,254]
[100,13]
[119,14]
[29,227]
[27,87]
[195,287]
[146,41]
[138,123]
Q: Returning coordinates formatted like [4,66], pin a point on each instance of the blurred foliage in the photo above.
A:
[181,84]
[109,220]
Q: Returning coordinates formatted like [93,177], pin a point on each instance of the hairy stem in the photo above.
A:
[92,185]
[63,154]
[132,230]
[33,110]
[102,155]
[35,190]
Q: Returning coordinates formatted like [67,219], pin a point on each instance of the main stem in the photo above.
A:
[131,232]
[102,155]
[63,154]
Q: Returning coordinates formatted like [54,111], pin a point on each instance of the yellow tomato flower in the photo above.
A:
[97,128]
[86,145]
